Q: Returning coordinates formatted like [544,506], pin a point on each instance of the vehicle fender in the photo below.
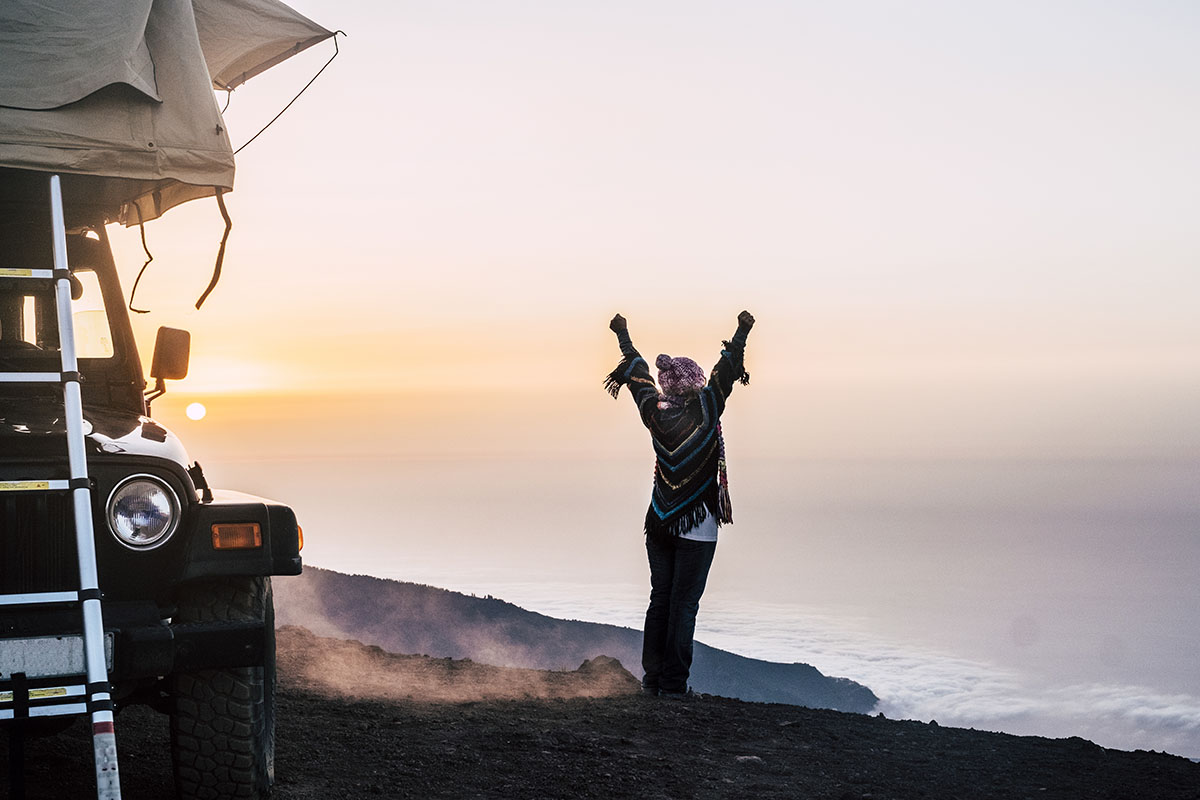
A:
[280,550]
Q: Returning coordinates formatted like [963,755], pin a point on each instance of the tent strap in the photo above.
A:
[216,276]
[149,258]
[297,97]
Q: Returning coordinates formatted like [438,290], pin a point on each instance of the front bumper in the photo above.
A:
[143,646]
[151,652]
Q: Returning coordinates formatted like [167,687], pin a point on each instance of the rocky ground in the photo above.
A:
[358,722]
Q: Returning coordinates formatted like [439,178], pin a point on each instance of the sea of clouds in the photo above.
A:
[912,680]
[924,683]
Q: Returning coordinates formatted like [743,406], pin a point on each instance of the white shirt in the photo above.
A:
[703,531]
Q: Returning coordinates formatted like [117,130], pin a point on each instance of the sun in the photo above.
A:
[196,411]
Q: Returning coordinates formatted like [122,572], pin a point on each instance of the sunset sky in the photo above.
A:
[967,231]
[963,227]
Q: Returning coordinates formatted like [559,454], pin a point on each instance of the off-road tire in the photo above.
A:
[223,720]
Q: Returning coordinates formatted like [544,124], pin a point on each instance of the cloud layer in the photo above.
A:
[912,682]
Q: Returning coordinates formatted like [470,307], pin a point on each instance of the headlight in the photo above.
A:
[142,512]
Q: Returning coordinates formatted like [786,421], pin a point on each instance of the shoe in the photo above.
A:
[686,694]
[650,691]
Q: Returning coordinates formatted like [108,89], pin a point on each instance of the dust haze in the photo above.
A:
[350,669]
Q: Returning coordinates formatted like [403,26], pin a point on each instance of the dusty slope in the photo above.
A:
[552,744]
[348,669]
[411,618]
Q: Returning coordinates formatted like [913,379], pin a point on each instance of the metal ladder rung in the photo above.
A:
[51,701]
[39,598]
[34,486]
[36,274]
[63,710]
[48,694]
[31,377]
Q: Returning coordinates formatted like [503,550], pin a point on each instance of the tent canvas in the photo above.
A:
[117,95]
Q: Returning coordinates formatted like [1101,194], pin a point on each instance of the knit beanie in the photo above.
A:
[679,375]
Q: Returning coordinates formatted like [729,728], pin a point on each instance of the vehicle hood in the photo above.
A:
[36,428]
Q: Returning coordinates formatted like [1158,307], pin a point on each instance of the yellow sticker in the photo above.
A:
[36,694]
[24,486]
[16,273]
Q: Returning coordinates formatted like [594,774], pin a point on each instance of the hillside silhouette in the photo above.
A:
[411,618]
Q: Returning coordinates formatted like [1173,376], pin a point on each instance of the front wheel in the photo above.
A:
[223,720]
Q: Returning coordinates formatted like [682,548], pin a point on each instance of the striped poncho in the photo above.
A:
[689,454]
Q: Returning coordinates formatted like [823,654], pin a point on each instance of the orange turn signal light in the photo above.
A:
[236,536]
[300,531]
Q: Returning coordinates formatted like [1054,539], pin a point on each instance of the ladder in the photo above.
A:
[25,696]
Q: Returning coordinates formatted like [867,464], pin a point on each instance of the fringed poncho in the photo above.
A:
[689,474]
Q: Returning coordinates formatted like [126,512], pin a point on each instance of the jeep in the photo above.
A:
[184,569]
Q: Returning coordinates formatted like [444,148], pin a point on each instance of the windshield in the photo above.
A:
[29,324]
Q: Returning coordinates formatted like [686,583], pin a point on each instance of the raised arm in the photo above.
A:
[633,370]
[729,367]
[620,327]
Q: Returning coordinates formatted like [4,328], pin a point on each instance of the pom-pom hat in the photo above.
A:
[680,375]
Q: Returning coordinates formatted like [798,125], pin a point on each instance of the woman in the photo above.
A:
[691,493]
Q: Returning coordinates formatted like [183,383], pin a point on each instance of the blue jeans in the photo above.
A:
[678,572]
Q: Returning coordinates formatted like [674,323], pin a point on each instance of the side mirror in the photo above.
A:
[171,351]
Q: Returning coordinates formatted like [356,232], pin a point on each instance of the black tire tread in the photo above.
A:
[218,725]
